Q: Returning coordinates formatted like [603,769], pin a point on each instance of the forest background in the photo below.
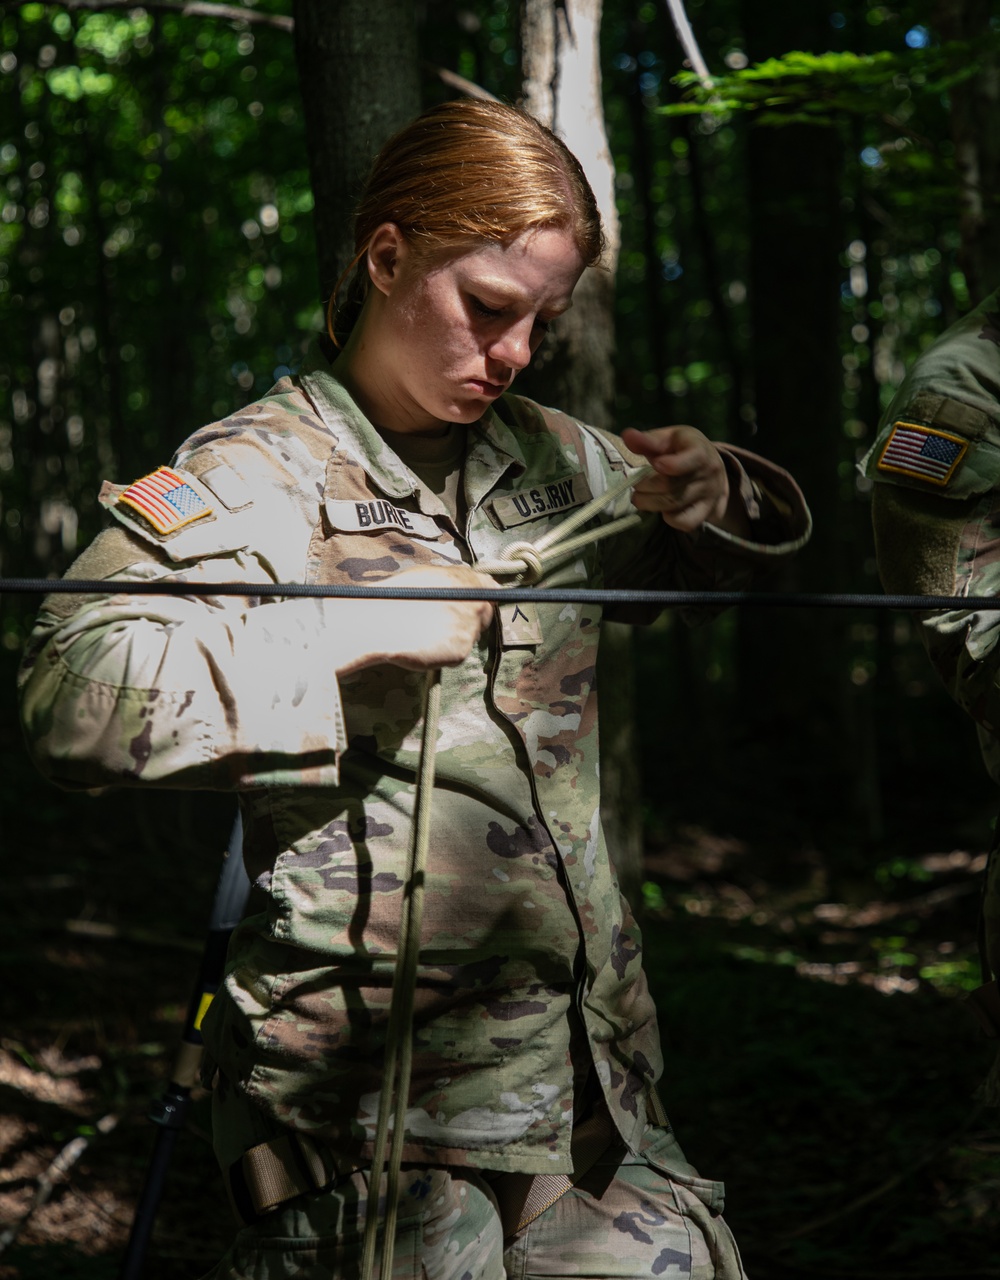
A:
[806,810]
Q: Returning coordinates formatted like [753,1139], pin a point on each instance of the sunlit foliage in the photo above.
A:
[156,252]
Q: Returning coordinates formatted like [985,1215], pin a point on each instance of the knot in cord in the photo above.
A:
[530,558]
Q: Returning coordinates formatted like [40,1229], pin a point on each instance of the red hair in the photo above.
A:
[461,173]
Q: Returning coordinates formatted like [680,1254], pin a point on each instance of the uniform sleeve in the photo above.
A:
[215,692]
[935,466]
[928,544]
[933,544]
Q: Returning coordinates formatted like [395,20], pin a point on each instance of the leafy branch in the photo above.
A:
[817,88]
[186,8]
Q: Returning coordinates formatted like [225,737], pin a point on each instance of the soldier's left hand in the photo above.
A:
[689,484]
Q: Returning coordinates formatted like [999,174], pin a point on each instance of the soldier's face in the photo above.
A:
[456,330]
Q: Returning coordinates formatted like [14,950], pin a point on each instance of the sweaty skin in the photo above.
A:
[441,337]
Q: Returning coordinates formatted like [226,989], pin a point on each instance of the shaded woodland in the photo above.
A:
[807,810]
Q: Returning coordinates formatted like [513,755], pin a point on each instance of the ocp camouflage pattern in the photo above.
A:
[528,952]
[628,1217]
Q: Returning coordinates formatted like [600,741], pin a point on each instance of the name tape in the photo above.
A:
[376,515]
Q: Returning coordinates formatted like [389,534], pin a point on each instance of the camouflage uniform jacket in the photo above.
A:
[936,510]
[528,953]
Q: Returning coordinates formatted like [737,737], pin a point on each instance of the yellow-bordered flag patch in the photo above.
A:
[922,453]
[166,500]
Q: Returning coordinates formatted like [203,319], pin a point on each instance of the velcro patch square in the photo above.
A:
[922,453]
[519,625]
[166,500]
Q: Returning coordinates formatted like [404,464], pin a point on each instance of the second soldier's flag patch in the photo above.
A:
[165,499]
[922,452]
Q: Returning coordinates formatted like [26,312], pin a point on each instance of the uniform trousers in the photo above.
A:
[630,1216]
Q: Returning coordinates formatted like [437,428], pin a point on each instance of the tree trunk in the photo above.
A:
[796,240]
[975,106]
[562,88]
[359,71]
[575,369]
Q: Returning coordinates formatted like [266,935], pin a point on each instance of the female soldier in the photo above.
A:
[407,462]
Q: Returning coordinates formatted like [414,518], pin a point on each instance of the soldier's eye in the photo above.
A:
[481,309]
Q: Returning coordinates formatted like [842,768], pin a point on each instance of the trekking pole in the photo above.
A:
[169,1112]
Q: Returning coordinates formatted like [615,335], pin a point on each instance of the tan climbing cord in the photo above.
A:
[399,1033]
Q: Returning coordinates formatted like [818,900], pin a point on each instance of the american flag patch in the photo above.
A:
[166,500]
[922,453]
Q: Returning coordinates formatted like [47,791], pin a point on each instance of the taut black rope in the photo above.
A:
[538,595]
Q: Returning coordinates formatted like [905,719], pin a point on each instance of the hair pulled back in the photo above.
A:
[461,173]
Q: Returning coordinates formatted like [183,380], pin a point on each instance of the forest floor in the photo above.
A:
[819,1057]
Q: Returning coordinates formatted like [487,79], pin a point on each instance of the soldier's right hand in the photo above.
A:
[416,634]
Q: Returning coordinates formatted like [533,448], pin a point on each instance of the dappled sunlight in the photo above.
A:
[918,933]
[50,1077]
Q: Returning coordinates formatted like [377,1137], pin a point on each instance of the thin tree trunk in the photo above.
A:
[796,239]
[975,106]
[359,72]
[575,371]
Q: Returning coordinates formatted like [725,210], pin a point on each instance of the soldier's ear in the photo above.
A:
[387,251]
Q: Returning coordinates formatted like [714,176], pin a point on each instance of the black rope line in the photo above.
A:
[498,595]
